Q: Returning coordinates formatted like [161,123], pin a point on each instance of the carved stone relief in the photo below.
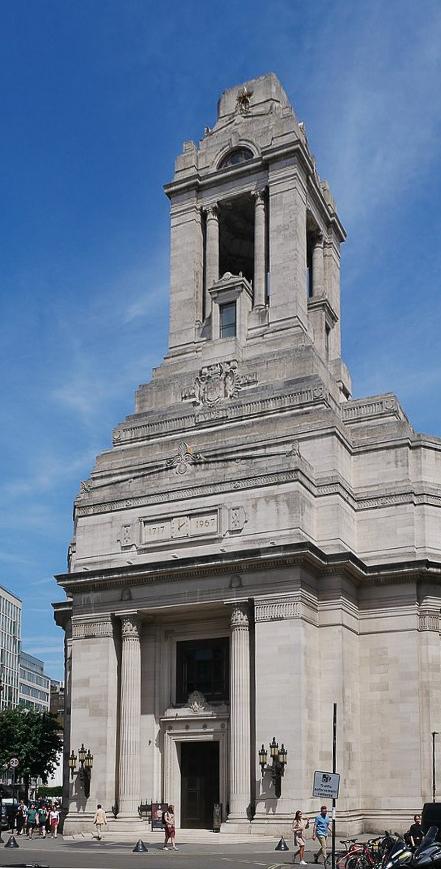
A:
[184,458]
[218,382]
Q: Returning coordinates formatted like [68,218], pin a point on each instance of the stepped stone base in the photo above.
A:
[83,824]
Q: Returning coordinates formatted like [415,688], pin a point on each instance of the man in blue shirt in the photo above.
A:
[321,831]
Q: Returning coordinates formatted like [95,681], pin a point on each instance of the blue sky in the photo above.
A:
[96,99]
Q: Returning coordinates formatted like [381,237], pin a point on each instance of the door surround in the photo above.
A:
[192,727]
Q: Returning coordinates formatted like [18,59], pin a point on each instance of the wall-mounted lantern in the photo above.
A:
[279,759]
[86,763]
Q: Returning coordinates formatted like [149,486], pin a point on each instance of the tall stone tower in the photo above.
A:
[256,545]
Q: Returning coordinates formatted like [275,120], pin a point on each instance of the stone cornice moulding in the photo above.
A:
[197,491]
[373,407]
[297,554]
[309,395]
[297,474]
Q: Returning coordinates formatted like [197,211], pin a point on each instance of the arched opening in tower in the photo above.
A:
[236,236]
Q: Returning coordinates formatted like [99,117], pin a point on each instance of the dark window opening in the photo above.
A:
[203,665]
[309,270]
[327,333]
[239,155]
[236,236]
[227,320]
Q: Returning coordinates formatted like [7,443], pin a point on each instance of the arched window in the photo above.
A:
[239,155]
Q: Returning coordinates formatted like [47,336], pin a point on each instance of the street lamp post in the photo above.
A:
[279,759]
[434,733]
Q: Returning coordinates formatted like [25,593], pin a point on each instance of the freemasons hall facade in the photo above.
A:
[257,545]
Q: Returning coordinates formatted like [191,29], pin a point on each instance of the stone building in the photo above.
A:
[256,545]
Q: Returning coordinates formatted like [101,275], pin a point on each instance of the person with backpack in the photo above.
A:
[32,821]
[42,818]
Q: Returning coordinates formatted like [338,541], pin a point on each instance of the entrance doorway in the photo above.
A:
[199,783]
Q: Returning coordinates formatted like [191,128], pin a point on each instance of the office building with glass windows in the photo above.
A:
[10,636]
[34,684]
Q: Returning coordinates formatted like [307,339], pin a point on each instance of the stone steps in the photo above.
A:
[131,832]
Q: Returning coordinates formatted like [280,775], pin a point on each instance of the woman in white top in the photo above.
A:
[298,828]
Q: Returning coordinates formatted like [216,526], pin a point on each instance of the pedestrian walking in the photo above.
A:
[170,829]
[42,818]
[54,820]
[31,821]
[100,821]
[321,832]
[298,829]
[21,818]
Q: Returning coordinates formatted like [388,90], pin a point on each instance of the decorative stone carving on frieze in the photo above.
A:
[131,628]
[237,519]
[218,382]
[98,628]
[294,449]
[239,617]
[184,458]
[429,620]
[126,537]
[197,702]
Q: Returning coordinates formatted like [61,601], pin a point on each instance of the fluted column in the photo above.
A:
[239,713]
[318,267]
[130,714]
[211,254]
[259,249]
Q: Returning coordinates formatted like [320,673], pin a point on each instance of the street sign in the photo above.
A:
[14,762]
[326,784]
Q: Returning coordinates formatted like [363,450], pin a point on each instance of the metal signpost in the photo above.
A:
[13,764]
[327,784]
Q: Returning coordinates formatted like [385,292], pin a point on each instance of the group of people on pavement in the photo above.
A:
[39,818]
[320,832]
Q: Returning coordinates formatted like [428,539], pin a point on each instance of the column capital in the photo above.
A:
[131,626]
[212,211]
[240,617]
[259,196]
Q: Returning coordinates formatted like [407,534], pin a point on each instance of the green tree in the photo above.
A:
[34,738]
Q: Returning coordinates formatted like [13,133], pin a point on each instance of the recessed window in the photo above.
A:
[327,333]
[203,665]
[239,155]
[227,319]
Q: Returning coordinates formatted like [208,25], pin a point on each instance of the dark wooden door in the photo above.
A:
[199,783]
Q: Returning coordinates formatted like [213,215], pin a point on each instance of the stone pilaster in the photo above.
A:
[318,267]
[130,714]
[67,708]
[239,714]
[211,254]
[259,249]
